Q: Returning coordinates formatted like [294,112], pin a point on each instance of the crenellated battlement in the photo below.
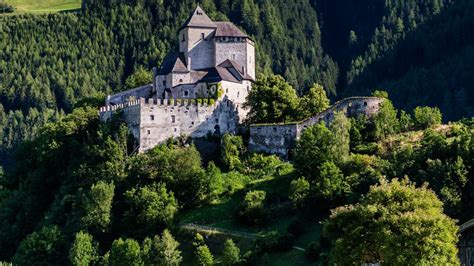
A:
[105,111]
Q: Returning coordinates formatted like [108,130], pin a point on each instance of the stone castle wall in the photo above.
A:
[280,139]
[154,121]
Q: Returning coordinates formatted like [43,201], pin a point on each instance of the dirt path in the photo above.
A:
[215,230]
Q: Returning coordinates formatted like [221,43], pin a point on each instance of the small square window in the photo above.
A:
[149,132]
[365,103]
[186,93]
[173,119]
[175,130]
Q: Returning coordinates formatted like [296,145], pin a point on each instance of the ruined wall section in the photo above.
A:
[273,139]
[351,107]
[280,139]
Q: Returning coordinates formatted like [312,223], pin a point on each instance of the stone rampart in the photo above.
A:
[153,121]
[280,139]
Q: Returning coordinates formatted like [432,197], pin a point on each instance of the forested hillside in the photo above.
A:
[425,61]
[80,195]
[419,51]
[50,63]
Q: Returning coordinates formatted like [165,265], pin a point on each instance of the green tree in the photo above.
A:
[299,191]
[232,148]
[312,149]
[272,100]
[162,250]
[150,207]
[330,183]
[252,209]
[426,117]
[97,205]
[45,247]
[139,78]
[231,253]
[385,121]
[340,137]
[125,252]
[352,38]
[394,223]
[83,251]
[204,256]
[314,102]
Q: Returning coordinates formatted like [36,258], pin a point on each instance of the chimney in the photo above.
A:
[155,74]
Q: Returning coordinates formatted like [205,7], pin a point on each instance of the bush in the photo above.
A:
[313,251]
[274,242]
[259,166]
[6,8]
[252,211]
[299,191]
[426,117]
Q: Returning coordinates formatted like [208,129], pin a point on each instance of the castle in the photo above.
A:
[201,89]
[197,91]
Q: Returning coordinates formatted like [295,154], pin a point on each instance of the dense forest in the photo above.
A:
[104,204]
[73,191]
[53,63]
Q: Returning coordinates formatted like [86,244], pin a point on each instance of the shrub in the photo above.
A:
[231,254]
[252,211]
[274,242]
[299,191]
[313,251]
[426,117]
[6,8]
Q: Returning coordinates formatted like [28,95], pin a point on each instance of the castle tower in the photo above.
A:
[196,40]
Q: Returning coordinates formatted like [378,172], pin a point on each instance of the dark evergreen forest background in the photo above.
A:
[420,51]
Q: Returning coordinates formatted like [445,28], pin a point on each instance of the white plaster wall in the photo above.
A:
[180,78]
[237,93]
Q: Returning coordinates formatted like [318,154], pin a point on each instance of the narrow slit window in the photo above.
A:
[173,119]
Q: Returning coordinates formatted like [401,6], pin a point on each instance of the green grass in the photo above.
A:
[220,215]
[43,6]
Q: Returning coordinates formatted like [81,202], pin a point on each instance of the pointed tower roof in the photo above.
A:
[198,18]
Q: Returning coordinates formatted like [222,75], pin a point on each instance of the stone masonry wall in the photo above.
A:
[280,139]
[236,51]
[154,121]
[273,139]
[200,51]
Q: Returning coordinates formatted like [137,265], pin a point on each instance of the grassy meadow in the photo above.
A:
[43,6]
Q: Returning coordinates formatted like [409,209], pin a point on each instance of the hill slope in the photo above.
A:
[44,6]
